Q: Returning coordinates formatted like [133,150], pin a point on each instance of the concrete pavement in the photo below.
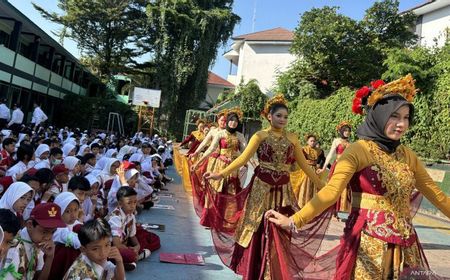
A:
[183,234]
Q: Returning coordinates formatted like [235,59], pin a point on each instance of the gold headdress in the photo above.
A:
[342,124]
[222,113]
[199,121]
[235,110]
[277,99]
[309,135]
[368,96]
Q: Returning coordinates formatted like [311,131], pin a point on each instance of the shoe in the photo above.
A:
[129,266]
[145,254]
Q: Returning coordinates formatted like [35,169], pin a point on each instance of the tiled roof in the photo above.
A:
[276,34]
[214,79]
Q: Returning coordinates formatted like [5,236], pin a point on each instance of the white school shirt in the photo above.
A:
[18,168]
[17,117]
[4,112]
[38,116]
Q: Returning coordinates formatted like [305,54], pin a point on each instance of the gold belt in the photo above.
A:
[370,201]
[279,167]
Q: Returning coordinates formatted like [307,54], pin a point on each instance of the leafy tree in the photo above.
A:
[183,37]
[335,47]
[103,29]
[252,99]
[299,80]
[386,28]
[340,51]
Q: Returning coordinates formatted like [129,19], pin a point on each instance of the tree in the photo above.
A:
[252,99]
[183,37]
[103,29]
[386,28]
[334,46]
[341,51]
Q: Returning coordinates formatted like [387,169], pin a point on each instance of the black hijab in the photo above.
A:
[373,126]
[232,117]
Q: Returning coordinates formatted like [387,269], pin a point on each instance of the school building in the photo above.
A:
[34,67]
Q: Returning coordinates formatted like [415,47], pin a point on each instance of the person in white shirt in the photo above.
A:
[15,124]
[5,114]
[25,154]
[38,116]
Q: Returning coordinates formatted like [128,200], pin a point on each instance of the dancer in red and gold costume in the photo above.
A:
[379,240]
[195,138]
[207,164]
[228,144]
[248,248]
[338,147]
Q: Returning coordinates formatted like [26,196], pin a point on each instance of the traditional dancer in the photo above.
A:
[249,249]
[304,189]
[195,138]
[196,175]
[229,143]
[379,240]
[338,147]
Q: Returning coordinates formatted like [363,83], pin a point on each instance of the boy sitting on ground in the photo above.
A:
[95,239]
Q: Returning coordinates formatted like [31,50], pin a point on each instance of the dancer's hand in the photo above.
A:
[212,176]
[278,219]
[318,171]
[191,156]
[193,167]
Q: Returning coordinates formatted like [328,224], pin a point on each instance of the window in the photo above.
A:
[4,38]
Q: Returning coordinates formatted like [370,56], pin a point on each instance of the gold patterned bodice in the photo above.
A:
[399,182]
[276,152]
[229,145]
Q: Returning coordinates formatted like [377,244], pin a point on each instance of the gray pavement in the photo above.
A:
[184,234]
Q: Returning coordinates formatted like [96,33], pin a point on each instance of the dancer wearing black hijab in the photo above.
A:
[379,240]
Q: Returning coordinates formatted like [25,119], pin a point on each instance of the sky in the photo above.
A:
[256,15]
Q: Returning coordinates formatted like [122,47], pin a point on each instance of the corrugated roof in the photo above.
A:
[275,34]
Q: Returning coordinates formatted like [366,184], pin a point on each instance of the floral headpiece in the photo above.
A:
[235,110]
[342,124]
[366,97]
[199,121]
[277,99]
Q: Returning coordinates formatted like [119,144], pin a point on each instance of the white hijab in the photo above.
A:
[107,168]
[136,157]
[81,151]
[67,148]
[110,152]
[13,193]
[112,198]
[64,199]
[42,148]
[92,179]
[124,151]
[70,162]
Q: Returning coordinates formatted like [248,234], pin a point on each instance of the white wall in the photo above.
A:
[262,62]
[434,25]
[212,93]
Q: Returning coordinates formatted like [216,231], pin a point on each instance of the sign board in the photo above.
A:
[141,95]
